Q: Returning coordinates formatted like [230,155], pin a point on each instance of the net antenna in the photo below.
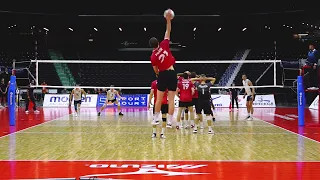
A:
[274,62]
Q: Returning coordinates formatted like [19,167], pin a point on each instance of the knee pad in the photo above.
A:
[186,110]
[164,119]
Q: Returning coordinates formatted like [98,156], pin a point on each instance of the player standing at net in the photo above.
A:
[204,102]
[30,97]
[184,115]
[195,95]
[162,61]
[76,94]
[164,110]
[112,95]
[249,91]
[186,89]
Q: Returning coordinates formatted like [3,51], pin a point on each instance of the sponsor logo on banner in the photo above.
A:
[220,100]
[300,99]
[282,117]
[62,100]
[315,103]
[11,98]
[146,169]
[140,100]
[264,101]
[224,101]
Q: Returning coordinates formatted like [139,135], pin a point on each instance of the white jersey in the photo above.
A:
[77,94]
[111,95]
[247,87]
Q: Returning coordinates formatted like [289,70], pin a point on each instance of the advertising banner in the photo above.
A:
[62,100]
[224,101]
[315,104]
[137,100]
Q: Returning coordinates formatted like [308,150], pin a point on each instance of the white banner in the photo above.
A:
[315,103]
[62,100]
[224,101]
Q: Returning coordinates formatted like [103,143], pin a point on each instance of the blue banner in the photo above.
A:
[137,100]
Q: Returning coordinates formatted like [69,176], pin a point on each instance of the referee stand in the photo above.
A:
[312,93]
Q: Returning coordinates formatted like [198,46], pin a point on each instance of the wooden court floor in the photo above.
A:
[113,139]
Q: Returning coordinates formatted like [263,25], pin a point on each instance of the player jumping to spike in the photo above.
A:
[162,61]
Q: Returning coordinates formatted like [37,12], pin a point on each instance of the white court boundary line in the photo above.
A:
[122,160]
[33,126]
[284,129]
[171,160]
[46,132]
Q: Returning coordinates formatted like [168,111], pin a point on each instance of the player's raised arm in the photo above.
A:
[168,29]
[212,80]
[194,79]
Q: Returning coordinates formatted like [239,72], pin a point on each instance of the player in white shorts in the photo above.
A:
[249,91]
[77,93]
[111,99]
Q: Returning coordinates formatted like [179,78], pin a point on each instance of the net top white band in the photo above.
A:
[97,87]
[148,62]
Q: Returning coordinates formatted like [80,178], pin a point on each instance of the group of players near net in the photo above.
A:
[192,90]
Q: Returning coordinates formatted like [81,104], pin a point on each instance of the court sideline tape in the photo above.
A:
[35,126]
[285,129]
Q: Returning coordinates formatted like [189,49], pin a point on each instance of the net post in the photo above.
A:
[301,100]
[37,73]
[12,100]
[274,73]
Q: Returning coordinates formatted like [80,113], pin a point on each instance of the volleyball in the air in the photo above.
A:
[168,12]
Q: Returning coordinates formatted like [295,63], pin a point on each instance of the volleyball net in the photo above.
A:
[133,80]
[126,75]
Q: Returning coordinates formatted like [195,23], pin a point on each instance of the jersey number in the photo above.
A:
[185,86]
[163,54]
[202,91]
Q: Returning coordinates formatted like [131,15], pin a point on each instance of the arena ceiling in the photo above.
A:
[296,18]
[155,8]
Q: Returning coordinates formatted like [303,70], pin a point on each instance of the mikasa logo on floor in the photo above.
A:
[148,169]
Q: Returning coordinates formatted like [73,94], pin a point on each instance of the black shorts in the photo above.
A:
[185,104]
[113,100]
[249,98]
[3,95]
[204,105]
[167,80]
[77,102]
[194,101]
[164,109]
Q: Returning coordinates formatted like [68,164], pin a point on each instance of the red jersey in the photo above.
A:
[195,95]
[162,57]
[165,96]
[185,87]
